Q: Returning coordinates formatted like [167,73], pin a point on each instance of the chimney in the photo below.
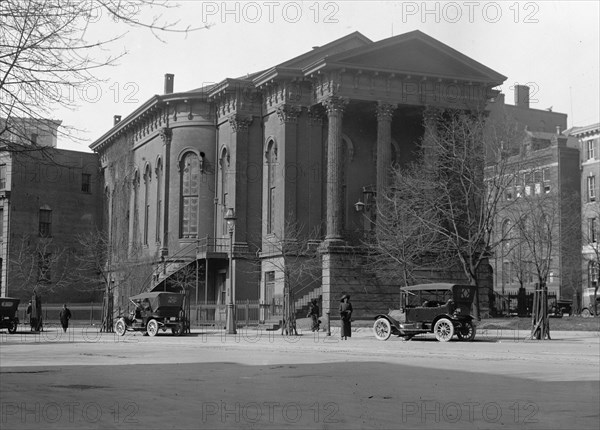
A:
[558,129]
[522,96]
[169,77]
[116,119]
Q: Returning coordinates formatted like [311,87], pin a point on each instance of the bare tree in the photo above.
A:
[47,52]
[293,255]
[39,266]
[451,197]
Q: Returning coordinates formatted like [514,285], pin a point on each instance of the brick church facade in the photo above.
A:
[297,144]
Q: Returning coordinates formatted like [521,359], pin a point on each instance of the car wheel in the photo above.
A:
[120,327]
[382,329]
[443,329]
[466,331]
[177,330]
[586,313]
[152,328]
[12,328]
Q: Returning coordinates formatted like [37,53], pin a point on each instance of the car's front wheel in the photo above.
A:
[382,329]
[586,313]
[466,331]
[177,330]
[443,329]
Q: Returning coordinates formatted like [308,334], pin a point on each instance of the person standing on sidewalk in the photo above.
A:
[346,317]
[313,313]
[65,316]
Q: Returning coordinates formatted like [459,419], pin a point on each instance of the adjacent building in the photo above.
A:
[48,198]
[589,149]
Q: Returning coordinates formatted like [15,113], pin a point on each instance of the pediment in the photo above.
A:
[418,54]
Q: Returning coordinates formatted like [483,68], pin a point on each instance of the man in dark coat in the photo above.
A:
[65,316]
[346,317]
[313,313]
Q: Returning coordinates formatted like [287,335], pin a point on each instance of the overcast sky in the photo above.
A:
[552,46]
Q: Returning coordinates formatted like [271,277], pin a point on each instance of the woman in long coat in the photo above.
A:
[346,315]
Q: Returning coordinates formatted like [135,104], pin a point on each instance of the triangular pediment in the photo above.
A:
[418,54]
[347,43]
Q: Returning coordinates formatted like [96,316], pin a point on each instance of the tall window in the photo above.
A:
[1,225]
[45,226]
[591,188]
[86,182]
[158,199]
[592,230]
[147,177]
[592,273]
[2,176]
[224,164]
[591,149]
[190,180]
[271,169]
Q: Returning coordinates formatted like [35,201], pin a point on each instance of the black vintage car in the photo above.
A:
[152,312]
[8,314]
[442,309]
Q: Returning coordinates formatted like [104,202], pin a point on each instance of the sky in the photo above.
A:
[552,46]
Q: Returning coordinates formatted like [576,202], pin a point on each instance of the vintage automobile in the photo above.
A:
[8,314]
[154,311]
[442,309]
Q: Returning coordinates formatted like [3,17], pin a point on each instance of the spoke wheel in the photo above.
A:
[120,327]
[177,330]
[443,329]
[382,329]
[586,313]
[466,331]
[152,328]
[12,328]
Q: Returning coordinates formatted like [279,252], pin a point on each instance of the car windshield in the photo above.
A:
[428,298]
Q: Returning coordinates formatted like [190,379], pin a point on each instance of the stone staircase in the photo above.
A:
[303,302]
[165,270]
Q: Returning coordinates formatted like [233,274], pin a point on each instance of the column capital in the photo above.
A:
[385,111]
[166,134]
[240,122]
[335,104]
[288,113]
[316,114]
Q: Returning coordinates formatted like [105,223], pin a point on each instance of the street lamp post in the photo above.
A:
[230,218]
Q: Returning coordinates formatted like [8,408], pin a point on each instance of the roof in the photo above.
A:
[151,295]
[580,131]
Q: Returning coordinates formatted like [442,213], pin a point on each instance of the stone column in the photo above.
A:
[166,134]
[335,111]
[237,181]
[384,146]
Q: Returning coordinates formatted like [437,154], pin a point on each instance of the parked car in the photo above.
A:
[8,314]
[154,311]
[587,302]
[442,309]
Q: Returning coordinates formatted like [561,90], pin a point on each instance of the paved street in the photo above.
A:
[263,380]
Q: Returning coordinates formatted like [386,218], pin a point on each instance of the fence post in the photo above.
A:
[247,312]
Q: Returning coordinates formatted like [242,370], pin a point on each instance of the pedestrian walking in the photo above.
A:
[65,316]
[32,322]
[346,317]
[313,313]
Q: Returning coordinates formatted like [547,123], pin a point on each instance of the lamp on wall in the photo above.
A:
[369,195]
[230,219]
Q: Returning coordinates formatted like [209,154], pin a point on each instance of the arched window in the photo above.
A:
[147,178]
[190,183]
[271,156]
[159,197]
